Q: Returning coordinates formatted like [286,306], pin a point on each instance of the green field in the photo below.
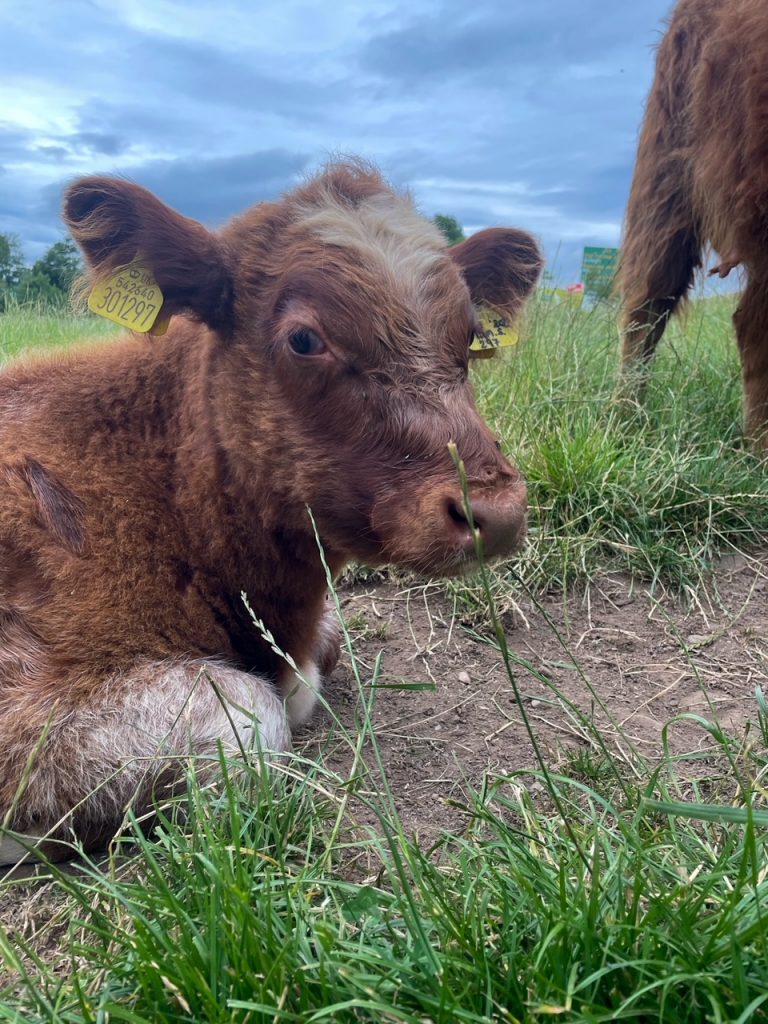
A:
[35,329]
[616,888]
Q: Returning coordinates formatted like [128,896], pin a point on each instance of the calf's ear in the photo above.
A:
[501,267]
[117,223]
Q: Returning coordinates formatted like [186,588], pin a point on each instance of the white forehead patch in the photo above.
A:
[386,230]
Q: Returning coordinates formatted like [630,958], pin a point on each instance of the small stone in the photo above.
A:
[535,703]
[699,639]
[464,678]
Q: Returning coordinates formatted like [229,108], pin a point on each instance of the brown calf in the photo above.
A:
[701,179]
[317,358]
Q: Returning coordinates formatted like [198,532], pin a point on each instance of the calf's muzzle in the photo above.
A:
[499,516]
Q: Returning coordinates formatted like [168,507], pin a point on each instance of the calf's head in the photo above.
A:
[337,324]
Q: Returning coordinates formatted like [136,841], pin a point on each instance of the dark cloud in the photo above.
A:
[129,125]
[210,77]
[485,40]
[214,190]
[210,190]
[52,154]
[597,192]
[103,143]
[15,143]
[161,73]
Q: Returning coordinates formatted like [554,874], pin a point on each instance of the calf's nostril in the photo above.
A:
[454,508]
[456,512]
[500,522]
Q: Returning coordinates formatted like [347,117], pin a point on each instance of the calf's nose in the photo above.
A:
[500,519]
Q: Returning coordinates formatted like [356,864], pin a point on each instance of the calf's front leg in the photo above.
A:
[300,690]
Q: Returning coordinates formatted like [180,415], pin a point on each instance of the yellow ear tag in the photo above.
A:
[495,333]
[160,326]
[131,298]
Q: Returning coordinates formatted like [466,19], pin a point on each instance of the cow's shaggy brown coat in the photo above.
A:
[317,358]
[701,179]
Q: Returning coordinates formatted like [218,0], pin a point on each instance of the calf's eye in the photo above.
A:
[306,343]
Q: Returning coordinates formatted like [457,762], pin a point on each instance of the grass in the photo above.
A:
[623,892]
[39,328]
[660,491]
[269,898]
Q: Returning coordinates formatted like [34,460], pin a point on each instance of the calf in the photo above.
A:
[701,178]
[316,359]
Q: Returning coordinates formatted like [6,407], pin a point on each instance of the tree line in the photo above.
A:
[47,282]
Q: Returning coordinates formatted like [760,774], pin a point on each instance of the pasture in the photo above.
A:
[538,791]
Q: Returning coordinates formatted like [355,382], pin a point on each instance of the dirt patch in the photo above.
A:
[644,660]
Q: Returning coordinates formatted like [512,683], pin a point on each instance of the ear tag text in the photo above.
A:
[495,332]
[130,298]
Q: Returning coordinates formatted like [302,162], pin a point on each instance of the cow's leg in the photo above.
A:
[661,247]
[751,323]
[642,331]
[652,292]
[644,323]
[126,743]
[300,691]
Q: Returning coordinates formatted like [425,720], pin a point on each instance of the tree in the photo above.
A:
[450,228]
[11,261]
[37,288]
[50,279]
[11,267]
[61,265]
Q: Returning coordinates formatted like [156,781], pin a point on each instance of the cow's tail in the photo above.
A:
[661,250]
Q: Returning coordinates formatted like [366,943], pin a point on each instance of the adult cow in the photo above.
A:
[701,178]
[317,358]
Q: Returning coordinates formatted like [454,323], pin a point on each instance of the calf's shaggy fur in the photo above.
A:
[701,179]
[316,358]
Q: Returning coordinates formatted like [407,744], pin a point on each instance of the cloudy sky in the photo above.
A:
[520,112]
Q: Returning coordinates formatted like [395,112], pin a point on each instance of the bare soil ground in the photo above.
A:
[647,660]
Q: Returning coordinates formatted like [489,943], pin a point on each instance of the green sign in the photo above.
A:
[598,271]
